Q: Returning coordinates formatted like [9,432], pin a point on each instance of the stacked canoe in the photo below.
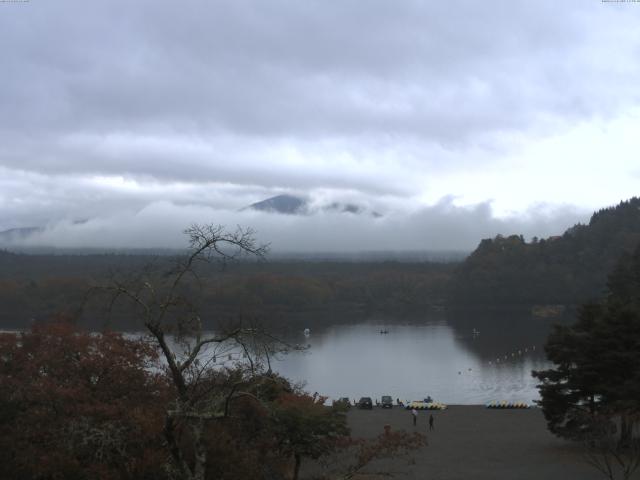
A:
[426,406]
[503,405]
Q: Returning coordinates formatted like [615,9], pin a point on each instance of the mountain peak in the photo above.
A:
[287,204]
[294,205]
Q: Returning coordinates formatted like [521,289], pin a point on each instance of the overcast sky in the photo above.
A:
[456,120]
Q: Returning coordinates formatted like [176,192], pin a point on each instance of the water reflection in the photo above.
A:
[447,361]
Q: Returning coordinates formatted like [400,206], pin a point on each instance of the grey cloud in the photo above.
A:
[28,199]
[236,160]
[219,104]
[441,71]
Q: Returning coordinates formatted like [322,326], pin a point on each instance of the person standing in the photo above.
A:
[430,421]
[414,412]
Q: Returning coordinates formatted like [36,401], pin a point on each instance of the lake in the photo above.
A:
[453,363]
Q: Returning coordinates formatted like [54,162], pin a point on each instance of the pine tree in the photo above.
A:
[597,362]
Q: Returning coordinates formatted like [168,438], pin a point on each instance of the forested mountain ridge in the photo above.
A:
[567,270]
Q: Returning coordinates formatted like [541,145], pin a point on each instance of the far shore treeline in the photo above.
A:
[508,271]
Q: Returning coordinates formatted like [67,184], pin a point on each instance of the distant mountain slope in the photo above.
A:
[287,204]
[568,269]
[293,205]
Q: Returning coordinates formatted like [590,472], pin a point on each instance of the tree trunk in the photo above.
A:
[200,450]
[174,449]
[296,468]
[626,429]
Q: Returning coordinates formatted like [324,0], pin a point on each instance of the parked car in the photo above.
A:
[386,401]
[365,403]
[344,401]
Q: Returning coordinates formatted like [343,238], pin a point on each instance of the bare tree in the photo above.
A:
[165,303]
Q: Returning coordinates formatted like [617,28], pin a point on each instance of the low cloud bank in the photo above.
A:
[443,226]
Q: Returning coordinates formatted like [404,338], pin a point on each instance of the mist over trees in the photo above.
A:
[506,271]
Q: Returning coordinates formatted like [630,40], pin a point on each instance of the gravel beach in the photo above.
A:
[473,442]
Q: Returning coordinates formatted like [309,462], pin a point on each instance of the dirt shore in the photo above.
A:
[473,442]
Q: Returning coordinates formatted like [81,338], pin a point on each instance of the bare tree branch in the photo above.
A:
[166,307]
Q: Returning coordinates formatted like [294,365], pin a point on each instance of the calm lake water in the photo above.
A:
[452,364]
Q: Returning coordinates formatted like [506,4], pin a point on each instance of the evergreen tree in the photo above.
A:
[597,362]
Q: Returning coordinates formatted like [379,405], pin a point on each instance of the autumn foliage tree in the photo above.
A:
[75,405]
[304,427]
[79,405]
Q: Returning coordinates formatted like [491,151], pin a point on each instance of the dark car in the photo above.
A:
[365,403]
[386,401]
